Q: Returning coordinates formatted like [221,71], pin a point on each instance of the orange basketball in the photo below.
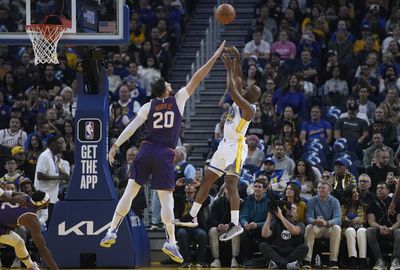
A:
[225,13]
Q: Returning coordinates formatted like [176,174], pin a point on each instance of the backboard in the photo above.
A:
[89,22]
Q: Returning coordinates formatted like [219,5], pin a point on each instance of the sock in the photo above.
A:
[124,204]
[28,262]
[167,213]
[235,217]
[195,209]
[171,232]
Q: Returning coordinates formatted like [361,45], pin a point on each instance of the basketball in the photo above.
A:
[225,13]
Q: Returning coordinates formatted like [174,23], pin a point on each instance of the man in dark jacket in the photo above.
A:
[219,221]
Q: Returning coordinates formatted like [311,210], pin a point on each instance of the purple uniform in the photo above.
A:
[157,152]
[10,214]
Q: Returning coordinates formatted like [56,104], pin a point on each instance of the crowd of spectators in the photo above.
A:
[324,141]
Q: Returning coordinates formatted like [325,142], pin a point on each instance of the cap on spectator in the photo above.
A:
[296,182]
[254,57]
[375,6]
[365,27]
[332,52]
[17,150]
[25,180]
[269,159]
[343,161]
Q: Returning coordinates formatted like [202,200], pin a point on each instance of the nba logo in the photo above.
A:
[89,130]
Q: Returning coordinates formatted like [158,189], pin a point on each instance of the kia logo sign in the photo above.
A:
[81,228]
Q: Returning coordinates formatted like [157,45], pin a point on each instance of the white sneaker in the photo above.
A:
[234,263]
[35,266]
[108,240]
[16,263]
[216,263]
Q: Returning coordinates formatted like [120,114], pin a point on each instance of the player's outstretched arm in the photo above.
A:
[202,72]
[32,223]
[129,131]
[244,105]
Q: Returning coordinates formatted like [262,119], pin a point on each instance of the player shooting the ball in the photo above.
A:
[237,121]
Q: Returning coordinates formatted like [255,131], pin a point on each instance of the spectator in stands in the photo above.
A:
[174,16]
[389,79]
[369,47]
[380,169]
[9,88]
[308,66]
[290,139]
[26,116]
[309,43]
[316,128]
[62,115]
[287,116]
[257,47]
[252,217]
[150,72]
[292,195]
[354,221]
[395,36]
[384,228]
[268,114]
[285,48]
[23,167]
[290,95]
[365,106]
[68,135]
[129,107]
[327,72]
[196,235]
[11,176]
[284,247]
[342,46]
[377,143]
[354,129]
[13,135]
[366,37]
[364,184]
[392,101]
[35,148]
[257,126]
[255,156]
[342,178]
[305,174]
[281,160]
[268,22]
[113,80]
[324,219]
[384,126]
[49,81]
[277,179]
[253,76]
[51,118]
[42,131]
[219,222]
[364,78]
[281,69]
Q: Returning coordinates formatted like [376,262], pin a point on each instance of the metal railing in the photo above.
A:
[207,47]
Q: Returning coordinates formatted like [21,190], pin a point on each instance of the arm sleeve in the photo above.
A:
[181,97]
[134,125]
[130,130]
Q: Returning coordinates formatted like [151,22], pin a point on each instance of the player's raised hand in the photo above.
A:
[112,153]
[220,49]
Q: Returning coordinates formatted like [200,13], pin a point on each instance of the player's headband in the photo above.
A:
[42,202]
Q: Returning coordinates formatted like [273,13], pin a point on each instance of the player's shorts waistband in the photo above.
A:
[147,142]
[230,140]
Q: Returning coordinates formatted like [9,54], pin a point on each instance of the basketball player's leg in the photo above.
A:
[215,170]
[122,209]
[137,178]
[170,247]
[14,240]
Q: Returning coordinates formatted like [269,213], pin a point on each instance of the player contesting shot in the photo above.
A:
[223,161]
[157,151]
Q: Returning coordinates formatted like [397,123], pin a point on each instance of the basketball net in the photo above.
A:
[44,39]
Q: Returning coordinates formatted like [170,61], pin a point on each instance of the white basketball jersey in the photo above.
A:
[11,140]
[235,126]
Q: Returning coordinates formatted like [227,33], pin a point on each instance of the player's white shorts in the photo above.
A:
[228,158]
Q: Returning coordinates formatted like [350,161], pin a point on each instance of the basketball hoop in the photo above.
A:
[44,39]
